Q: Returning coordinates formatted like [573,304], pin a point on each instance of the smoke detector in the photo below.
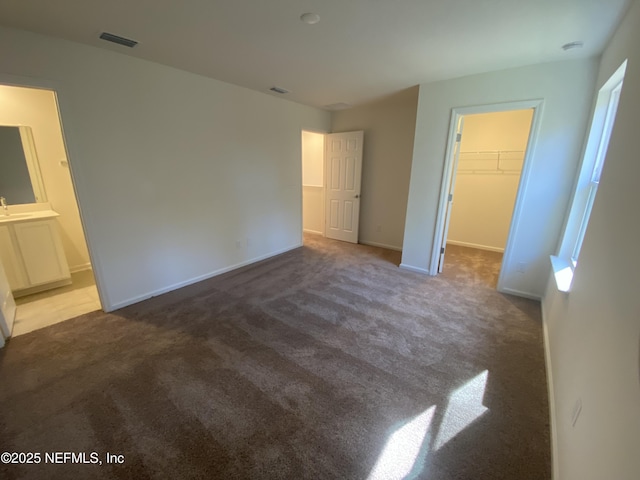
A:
[310,18]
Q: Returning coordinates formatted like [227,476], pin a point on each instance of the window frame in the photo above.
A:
[588,179]
[596,172]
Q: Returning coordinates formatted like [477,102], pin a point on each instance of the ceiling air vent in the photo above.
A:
[110,37]
[279,90]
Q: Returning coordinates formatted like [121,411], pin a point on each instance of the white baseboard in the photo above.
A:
[80,268]
[411,268]
[520,293]
[200,278]
[315,232]
[476,245]
[555,473]
[381,245]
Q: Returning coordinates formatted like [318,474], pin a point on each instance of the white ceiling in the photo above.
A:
[360,50]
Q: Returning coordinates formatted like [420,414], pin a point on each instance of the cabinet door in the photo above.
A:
[42,252]
[10,258]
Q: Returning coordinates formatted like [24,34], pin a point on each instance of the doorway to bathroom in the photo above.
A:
[34,113]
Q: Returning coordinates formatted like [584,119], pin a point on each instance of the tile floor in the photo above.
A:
[53,306]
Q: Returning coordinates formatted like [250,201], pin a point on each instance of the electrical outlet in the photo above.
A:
[522,267]
[379,228]
[238,244]
[577,408]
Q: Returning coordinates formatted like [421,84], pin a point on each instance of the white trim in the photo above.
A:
[314,232]
[411,268]
[80,268]
[475,245]
[380,245]
[444,194]
[519,293]
[197,279]
[555,473]
[537,106]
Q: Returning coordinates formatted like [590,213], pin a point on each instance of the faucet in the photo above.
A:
[3,202]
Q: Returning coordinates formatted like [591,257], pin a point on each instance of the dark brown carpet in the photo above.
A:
[302,366]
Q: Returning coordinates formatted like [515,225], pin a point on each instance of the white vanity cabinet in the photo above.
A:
[32,254]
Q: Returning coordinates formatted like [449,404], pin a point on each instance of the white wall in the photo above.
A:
[178,176]
[594,330]
[484,198]
[38,109]
[313,182]
[388,126]
[566,89]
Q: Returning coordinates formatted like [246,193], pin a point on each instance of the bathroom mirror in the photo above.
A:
[20,179]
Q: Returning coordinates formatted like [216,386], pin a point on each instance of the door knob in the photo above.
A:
[356,196]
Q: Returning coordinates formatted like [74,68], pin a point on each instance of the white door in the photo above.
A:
[343,160]
[452,184]
[7,308]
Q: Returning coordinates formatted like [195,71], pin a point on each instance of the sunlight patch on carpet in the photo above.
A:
[402,449]
[465,405]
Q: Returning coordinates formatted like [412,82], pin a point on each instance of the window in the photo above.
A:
[588,178]
[612,108]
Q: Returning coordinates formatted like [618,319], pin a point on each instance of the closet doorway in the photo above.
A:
[486,171]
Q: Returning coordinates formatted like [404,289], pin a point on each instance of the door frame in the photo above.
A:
[451,186]
[537,105]
[66,130]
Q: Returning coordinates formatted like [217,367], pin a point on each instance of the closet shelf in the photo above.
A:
[491,162]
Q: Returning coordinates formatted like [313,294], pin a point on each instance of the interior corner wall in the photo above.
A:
[178,176]
[313,182]
[389,127]
[594,330]
[566,89]
[38,110]
[483,200]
